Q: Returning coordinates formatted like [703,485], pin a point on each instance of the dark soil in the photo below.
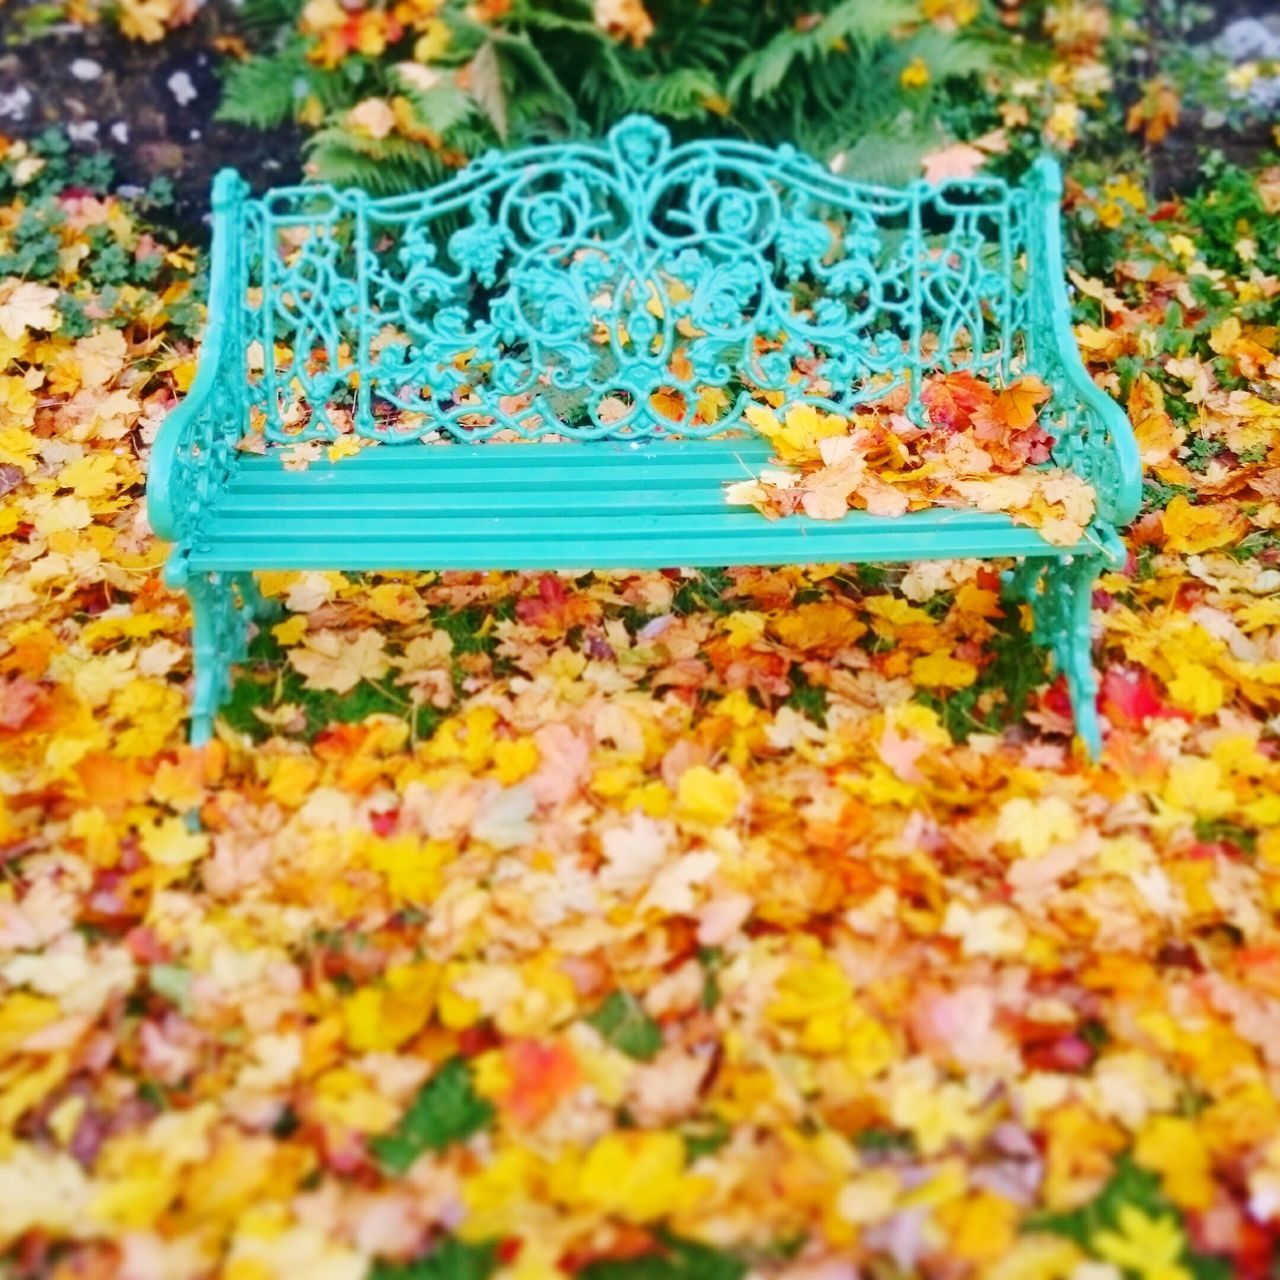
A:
[150,106]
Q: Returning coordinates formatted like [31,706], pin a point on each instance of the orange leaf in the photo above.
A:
[953,398]
[669,404]
[1017,405]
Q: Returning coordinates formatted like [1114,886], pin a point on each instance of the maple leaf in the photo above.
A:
[1153,1247]
[959,160]
[26,305]
[446,1110]
[555,609]
[941,671]
[626,1026]
[639,1175]
[1017,405]
[337,662]
[953,398]
[169,843]
[1199,528]
[100,356]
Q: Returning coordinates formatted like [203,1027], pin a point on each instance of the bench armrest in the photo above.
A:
[194,452]
[1094,435]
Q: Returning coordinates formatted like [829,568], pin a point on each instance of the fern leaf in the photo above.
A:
[487,88]
[261,91]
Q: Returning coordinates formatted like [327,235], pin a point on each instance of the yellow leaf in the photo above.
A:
[23,1014]
[381,1019]
[941,671]
[290,631]
[1194,787]
[144,19]
[59,515]
[1035,826]
[1150,1247]
[1196,689]
[708,797]
[344,447]
[343,1098]
[638,1175]
[1224,336]
[1193,529]
[292,779]
[712,402]
[1173,1147]
[513,760]
[410,865]
[92,476]
[1038,1257]
[100,356]
[168,843]
[41,1192]
[796,439]
[396,601]
[983,1226]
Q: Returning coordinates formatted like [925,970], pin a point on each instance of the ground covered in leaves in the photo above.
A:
[636,926]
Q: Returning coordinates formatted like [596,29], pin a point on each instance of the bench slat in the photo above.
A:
[599,552]
[557,506]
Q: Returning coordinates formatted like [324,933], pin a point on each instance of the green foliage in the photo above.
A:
[446,1110]
[449,1260]
[1131,1186]
[825,76]
[999,696]
[626,1026]
[1227,209]
[808,699]
[261,91]
[675,1259]
[62,166]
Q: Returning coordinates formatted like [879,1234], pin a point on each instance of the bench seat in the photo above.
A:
[602,505]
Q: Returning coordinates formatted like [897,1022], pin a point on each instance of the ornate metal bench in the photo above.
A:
[607,297]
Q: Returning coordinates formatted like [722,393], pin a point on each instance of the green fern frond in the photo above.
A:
[262,90]
[267,15]
[889,159]
[679,95]
[381,166]
[853,22]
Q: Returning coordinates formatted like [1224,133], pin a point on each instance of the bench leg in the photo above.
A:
[1060,593]
[222,607]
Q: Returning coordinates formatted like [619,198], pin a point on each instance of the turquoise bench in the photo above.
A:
[621,303]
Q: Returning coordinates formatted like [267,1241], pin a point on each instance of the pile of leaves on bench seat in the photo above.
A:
[977,446]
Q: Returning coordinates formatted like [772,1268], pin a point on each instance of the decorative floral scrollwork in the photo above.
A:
[629,288]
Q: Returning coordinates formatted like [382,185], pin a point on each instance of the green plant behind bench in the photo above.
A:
[826,76]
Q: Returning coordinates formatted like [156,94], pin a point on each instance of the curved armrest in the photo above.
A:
[1097,438]
[182,438]
[195,448]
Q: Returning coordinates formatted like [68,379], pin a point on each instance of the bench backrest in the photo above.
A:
[626,288]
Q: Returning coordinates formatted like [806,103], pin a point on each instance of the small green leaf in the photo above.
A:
[173,982]
[702,1140]
[626,1026]
[446,1110]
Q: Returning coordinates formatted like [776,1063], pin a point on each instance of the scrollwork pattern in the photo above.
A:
[624,289]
